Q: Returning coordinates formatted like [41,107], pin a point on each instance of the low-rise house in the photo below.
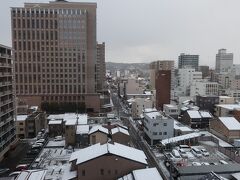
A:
[223,110]
[21,126]
[228,128]
[82,136]
[120,135]
[28,126]
[98,134]
[181,129]
[105,162]
[55,128]
[143,174]
[197,119]
[157,126]
[171,110]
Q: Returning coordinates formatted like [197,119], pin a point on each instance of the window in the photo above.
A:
[160,133]
[83,172]
[102,171]
[164,124]
[154,133]
[164,133]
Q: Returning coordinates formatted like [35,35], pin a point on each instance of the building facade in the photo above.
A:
[187,60]
[157,126]
[224,61]
[55,52]
[100,66]
[163,88]
[7,104]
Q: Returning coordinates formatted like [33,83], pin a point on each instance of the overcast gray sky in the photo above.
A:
[148,30]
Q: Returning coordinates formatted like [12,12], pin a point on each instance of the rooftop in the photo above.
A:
[229,106]
[230,122]
[98,128]
[52,122]
[119,129]
[21,117]
[98,150]
[82,129]
[32,175]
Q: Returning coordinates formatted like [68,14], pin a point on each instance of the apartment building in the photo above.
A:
[7,105]
[188,60]
[55,51]
[224,61]
[204,88]
[157,126]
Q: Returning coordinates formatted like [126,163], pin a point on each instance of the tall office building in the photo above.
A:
[55,52]
[7,105]
[224,61]
[189,61]
[161,65]
[163,88]
[101,67]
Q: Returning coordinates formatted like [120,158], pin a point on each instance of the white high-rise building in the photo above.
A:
[186,77]
[203,88]
[224,61]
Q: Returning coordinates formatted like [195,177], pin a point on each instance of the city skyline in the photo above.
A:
[132,32]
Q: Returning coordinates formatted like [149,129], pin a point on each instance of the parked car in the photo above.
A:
[184,147]
[176,154]
[205,163]
[204,152]
[183,153]
[196,152]
[40,141]
[196,163]
[223,162]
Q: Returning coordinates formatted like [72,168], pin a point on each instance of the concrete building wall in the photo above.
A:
[113,167]
[224,61]
[7,101]
[187,60]
[101,67]
[70,135]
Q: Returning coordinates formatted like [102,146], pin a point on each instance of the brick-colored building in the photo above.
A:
[55,53]
[98,134]
[120,135]
[163,88]
[106,162]
[227,128]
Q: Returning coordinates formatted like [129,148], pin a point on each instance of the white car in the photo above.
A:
[183,153]
[196,163]
[196,152]
[205,152]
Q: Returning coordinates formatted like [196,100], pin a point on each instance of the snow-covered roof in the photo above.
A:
[68,174]
[147,110]
[119,129]
[82,119]
[52,122]
[229,106]
[181,127]
[170,106]
[21,117]
[56,116]
[194,114]
[70,119]
[148,92]
[98,128]
[82,129]
[230,122]
[205,114]
[143,174]
[98,150]
[180,138]
[32,175]
[199,114]
[153,115]
[149,173]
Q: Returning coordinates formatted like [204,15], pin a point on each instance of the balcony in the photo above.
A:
[3,74]
[6,102]
[5,65]
[6,93]
[6,83]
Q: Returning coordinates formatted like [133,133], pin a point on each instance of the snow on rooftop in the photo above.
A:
[97,150]
[147,110]
[148,92]
[82,119]
[68,174]
[229,106]
[205,114]
[52,122]
[170,105]
[230,122]
[98,128]
[21,117]
[82,129]
[180,138]
[32,175]
[119,129]
[194,114]
[153,115]
[179,126]
[56,116]
[149,173]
